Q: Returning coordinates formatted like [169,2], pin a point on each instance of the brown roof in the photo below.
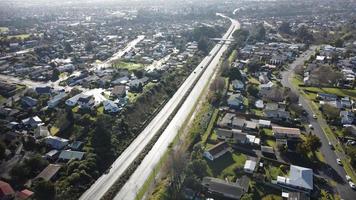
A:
[50,171]
[218,148]
[119,90]
[286,130]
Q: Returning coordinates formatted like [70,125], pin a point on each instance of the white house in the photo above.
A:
[250,166]
[56,100]
[300,179]
[217,151]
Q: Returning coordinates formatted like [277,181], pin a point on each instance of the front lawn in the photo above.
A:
[128,65]
[227,165]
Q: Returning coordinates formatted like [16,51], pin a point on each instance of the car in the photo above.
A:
[338,161]
[348,178]
[331,146]
[195,72]
[300,105]
[202,67]
[310,126]
[352,185]
[315,117]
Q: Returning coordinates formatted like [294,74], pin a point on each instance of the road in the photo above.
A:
[332,170]
[119,54]
[99,188]
[138,178]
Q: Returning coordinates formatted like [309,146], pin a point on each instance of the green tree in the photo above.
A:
[44,190]
[284,28]
[331,112]
[203,45]
[312,143]
[234,74]
[199,168]
[2,150]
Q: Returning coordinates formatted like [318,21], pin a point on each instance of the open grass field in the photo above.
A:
[20,37]
[3,29]
[128,65]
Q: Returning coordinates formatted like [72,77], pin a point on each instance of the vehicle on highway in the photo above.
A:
[352,185]
[331,146]
[315,117]
[195,72]
[348,178]
[338,161]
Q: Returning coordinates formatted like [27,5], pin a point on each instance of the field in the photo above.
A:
[128,65]
[3,29]
[21,36]
[227,165]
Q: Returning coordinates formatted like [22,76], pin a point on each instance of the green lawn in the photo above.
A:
[2,99]
[100,110]
[210,126]
[271,143]
[21,36]
[227,165]
[54,130]
[128,65]
[3,29]
[132,96]
[232,56]
[336,91]
[268,132]
[272,172]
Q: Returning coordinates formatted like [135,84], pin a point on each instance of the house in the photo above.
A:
[259,104]
[278,114]
[110,106]
[33,122]
[28,102]
[56,100]
[223,188]
[52,155]
[299,179]
[295,196]
[238,85]
[240,137]
[223,134]
[264,123]
[67,155]
[24,194]
[235,101]
[347,117]
[119,91]
[267,150]
[326,97]
[346,102]
[41,132]
[6,191]
[225,122]
[250,166]
[251,127]
[56,142]
[336,104]
[217,151]
[286,132]
[76,145]
[86,102]
[266,86]
[238,123]
[263,78]
[43,90]
[49,172]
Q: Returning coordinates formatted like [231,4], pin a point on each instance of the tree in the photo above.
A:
[234,74]
[253,66]
[67,47]
[203,45]
[304,35]
[217,86]
[55,74]
[339,42]
[284,28]
[44,190]
[259,32]
[331,112]
[312,143]
[299,70]
[19,173]
[2,150]
[199,168]
[252,90]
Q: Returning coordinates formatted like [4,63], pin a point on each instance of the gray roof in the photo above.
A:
[301,177]
[68,155]
[226,189]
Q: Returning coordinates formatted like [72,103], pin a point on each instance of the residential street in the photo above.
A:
[332,170]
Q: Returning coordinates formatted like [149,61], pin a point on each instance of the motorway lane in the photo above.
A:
[332,170]
[138,178]
[99,188]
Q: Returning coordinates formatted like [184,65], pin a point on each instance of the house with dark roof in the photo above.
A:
[217,150]
[43,90]
[86,102]
[235,101]
[326,97]
[238,122]
[28,102]
[223,189]
[286,133]
[119,91]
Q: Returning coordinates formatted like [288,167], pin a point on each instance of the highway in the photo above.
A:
[103,184]
[137,179]
[331,170]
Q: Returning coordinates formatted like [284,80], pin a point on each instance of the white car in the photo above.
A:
[338,161]
[352,185]
[310,126]
[348,178]
[315,117]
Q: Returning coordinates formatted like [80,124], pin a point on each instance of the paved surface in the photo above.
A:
[332,170]
[138,178]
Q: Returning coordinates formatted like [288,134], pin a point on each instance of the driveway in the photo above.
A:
[331,170]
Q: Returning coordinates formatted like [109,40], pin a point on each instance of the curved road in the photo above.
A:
[332,170]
